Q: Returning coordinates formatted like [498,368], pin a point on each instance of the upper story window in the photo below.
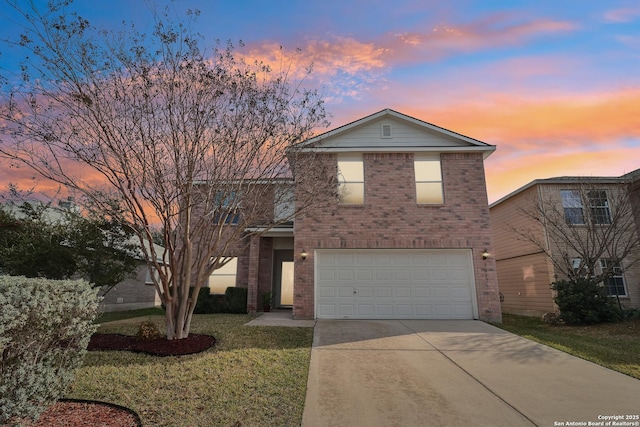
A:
[428,180]
[226,210]
[284,203]
[351,179]
[599,207]
[572,204]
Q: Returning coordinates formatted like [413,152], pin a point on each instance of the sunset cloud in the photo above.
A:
[493,32]
[622,15]
[347,65]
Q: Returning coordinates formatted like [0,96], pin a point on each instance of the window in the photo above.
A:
[614,280]
[576,266]
[351,179]
[226,210]
[224,277]
[572,204]
[599,207]
[284,203]
[428,180]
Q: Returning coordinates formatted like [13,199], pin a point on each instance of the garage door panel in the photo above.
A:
[423,292]
[327,292]
[382,275]
[364,292]
[423,310]
[326,274]
[403,292]
[384,310]
[404,310]
[387,284]
[364,275]
[384,292]
[365,310]
[327,310]
[345,292]
[401,275]
[346,309]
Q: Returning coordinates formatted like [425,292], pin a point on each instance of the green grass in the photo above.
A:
[255,376]
[112,316]
[612,345]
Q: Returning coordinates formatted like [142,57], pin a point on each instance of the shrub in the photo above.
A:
[584,301]
[45,327]
[205,303]
[148,331]
[236,299]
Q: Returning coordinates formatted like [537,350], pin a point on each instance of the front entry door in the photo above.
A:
[283,277]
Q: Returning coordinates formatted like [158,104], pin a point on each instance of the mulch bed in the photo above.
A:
[194,343]
[89,413]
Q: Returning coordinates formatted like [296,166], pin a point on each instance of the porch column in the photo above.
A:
[252,285]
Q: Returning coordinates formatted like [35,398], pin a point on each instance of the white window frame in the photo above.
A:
[599,207]
[617,274]
[571,200]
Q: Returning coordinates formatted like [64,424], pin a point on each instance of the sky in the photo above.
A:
[554,85]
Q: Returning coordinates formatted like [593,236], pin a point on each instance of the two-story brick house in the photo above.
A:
[408,237]
[580,207]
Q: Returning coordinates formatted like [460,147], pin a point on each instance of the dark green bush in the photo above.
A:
[236,300]
[583,301]
[205,303]
[631,314]
[233,301]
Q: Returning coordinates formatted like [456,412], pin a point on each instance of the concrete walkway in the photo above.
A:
[280,318]
[454,373]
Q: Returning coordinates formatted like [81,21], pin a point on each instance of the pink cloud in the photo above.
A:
[622,15]
[341,59]
[494,31]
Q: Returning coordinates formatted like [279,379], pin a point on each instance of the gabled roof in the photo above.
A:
[572,180]
[439,139]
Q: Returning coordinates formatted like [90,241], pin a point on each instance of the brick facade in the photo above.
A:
[391,219]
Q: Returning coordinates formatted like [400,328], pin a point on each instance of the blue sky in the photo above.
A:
[554,85]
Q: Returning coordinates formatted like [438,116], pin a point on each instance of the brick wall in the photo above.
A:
[391,219]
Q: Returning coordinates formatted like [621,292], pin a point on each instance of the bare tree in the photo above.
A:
[590,222]
[155,131]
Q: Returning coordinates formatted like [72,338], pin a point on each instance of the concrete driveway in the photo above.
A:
[454,373]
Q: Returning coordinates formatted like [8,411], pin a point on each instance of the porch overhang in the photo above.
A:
[279,231]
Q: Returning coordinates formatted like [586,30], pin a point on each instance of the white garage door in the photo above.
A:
[394,284]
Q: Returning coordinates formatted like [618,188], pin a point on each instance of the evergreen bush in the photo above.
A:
[585,301]
[45,327]
[236,299]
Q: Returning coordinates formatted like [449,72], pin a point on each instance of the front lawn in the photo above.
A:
[254,376]
[612,345]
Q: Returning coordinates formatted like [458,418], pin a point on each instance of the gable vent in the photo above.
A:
[385,130]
